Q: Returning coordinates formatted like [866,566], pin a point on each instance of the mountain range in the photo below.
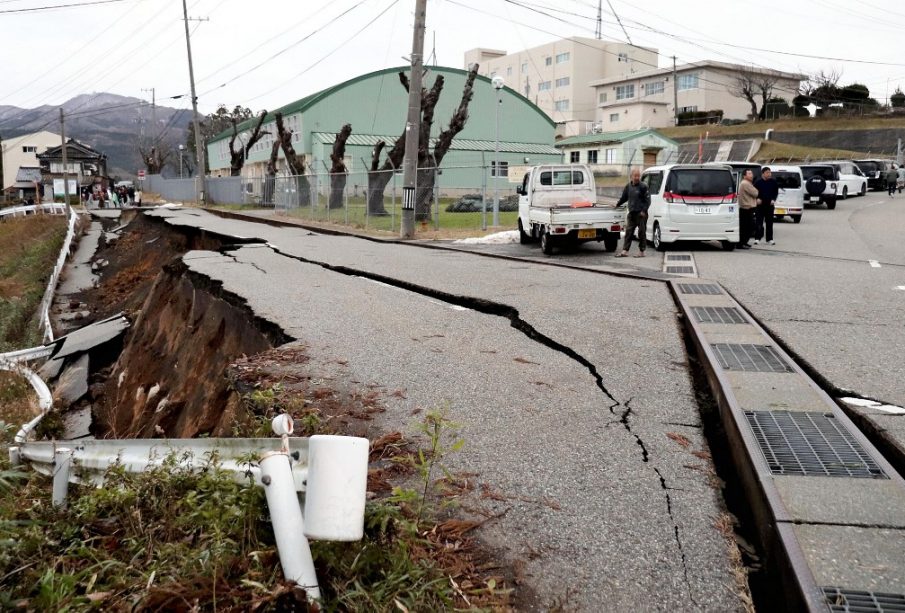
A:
[109,123]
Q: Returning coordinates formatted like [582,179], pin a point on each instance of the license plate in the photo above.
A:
[780,211]
[703,210]
[587,234]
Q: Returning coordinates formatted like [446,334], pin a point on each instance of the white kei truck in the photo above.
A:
[558,205]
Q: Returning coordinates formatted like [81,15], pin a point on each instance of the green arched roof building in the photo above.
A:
[376,105]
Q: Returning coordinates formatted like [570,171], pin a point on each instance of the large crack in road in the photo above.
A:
[489,307]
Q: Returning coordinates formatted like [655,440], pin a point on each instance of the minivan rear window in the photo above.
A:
[869,166]
[701,182]
[825,172]
[787,180]
[562,177]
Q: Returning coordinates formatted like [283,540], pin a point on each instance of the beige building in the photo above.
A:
[22,152]
[557,76]
[645,99]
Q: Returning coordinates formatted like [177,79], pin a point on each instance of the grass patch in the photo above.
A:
[774,152]
[29,247]
[785,125]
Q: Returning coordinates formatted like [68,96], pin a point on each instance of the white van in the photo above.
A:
[691,202]
[791,192]
[852,181]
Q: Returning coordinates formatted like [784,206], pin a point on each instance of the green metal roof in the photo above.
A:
[610,137]
[303,103]
[458,144]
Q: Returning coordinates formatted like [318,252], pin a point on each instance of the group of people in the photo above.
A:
[895,179]
[116,197]
[756,201]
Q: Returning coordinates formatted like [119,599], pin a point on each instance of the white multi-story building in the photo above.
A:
[557,76]
[22,152]
[647,99]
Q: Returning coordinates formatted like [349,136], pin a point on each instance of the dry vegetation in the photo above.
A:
[787,125]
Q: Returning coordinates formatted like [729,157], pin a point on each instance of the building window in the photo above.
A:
[687,81]
[508,71]
[562,58]
[651,89]
[499,169]
[524,67]
[574,157]
[624,92]
[29,149]
[601,98]
[623,57]
[688,109]
[610,156]
[548,61]
[614,117]
[592,156]
[563,82]
[561,105]
[543,86]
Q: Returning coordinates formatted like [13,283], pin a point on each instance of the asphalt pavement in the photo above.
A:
[606,502]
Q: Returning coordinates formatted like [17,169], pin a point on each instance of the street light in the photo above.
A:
[498,84]
[181,147]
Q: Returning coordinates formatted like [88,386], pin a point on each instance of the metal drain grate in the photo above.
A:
[750,358]
[700,288]
[866,602]
[810,445]
[678,258]
[718,315]
[681,270]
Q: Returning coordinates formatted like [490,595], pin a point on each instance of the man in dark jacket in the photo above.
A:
[637,195]
[767,193]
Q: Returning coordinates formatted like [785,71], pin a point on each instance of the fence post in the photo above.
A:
[288,524]
[62,462]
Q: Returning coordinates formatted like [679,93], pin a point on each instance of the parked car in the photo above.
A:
[558,205]
[692,202]
[821,184]
[791,192]
[739,168]
[852,181]
[875,171]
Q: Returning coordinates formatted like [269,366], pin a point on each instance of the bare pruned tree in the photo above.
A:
[752,84]
[237,157]
[271,172]
[155,159]
[295,162]
[338,170]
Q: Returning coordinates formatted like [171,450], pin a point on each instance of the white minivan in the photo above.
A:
[691,202]
[791,192]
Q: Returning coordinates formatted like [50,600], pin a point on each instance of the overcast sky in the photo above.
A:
[126,46]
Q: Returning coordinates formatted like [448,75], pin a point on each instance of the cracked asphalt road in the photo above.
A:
[603,506]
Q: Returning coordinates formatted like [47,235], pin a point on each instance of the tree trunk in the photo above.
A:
[377,184]
[424,192]
[271,173]
[237,158]
[338,171]
[295,162]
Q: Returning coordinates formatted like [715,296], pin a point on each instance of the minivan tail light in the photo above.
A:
[670,197]
[730,199]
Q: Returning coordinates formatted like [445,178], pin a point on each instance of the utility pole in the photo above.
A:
[675,93]
[153,114]
[598,32]
[65,159]
[413,124]
[199,145]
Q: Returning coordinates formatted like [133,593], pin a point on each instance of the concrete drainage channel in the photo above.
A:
[829,509]
[681,264]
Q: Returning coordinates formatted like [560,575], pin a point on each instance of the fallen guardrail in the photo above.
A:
[331,471]
[51,208]
[47,300]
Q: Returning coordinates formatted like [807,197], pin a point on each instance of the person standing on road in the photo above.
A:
[637,195]
[767,193]
[901,178]
[747,203]
[892,178]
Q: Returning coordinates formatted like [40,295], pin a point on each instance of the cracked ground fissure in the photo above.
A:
[489,307]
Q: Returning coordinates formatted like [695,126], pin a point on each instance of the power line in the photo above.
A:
[60,6]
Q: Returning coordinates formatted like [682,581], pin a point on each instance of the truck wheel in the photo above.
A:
[546,243]
[659,245]
[611,242]
[523,238]
[796,218]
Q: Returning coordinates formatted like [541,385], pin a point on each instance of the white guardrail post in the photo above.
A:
[331,470]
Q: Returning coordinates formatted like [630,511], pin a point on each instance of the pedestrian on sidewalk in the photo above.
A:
[892,178]
[637,195]
[747,203]
[767,193]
